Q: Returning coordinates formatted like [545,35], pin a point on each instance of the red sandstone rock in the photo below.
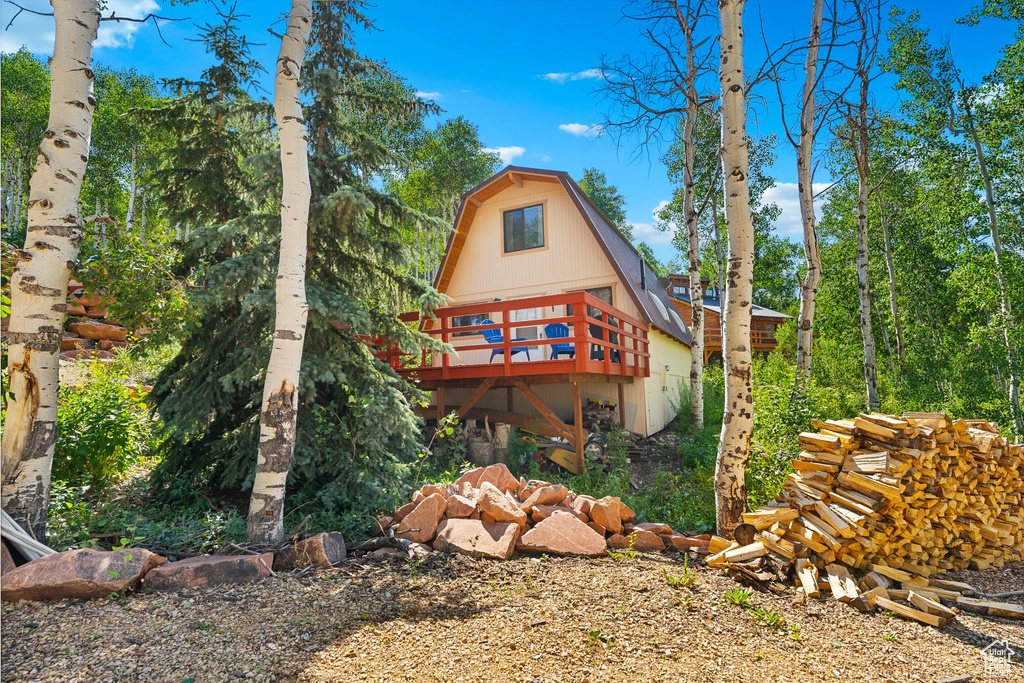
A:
[542,512]
[563,534]
[545,495]
[478,539]
[607,513]
[683,543]
[84,573]
[209,570]
[420,524]
[499,475]
[92,330]
[322,550]
[493,502]
[459,506]
[401,512]
[73,344]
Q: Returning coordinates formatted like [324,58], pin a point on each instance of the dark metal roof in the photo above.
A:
[715,305]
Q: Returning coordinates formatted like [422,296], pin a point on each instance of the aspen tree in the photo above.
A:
[738,419]
[39,285]
[280,404]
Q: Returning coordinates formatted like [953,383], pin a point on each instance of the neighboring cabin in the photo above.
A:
[585,314]
[764,322]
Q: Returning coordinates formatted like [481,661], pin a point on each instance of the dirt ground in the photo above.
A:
[451,618]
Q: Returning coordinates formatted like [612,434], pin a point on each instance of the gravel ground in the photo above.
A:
[457,619]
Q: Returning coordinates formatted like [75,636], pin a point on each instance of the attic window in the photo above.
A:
[524,228]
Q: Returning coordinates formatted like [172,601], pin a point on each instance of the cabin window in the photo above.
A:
[468,321]
[524,228]
[770,327]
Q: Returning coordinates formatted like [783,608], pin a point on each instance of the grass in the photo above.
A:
[739,597]
[687,580]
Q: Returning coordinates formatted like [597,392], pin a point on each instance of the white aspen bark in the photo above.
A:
[863,279]
[19,195]
[5,190]
[738,420]
[265,524]
[805,189]
[39,286]
[1005,306]
[693,231]
[129,219]
[891,269]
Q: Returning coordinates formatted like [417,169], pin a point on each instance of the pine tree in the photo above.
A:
[356,430]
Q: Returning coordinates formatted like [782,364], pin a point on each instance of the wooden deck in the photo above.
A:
[608,346]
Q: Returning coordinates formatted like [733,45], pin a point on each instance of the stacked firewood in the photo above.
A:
[893,499]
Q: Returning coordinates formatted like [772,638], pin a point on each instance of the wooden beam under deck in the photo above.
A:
[499,382]
[537,425]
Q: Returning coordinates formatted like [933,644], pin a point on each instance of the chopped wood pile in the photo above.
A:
[489,513]
[895,500]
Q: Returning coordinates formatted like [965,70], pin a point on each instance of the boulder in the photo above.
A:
[401,512]
[499,475]
[598,528]
[542,512]
[466,489]
[647,541]
[381,524]
[420,524]
[526,488]
[545,495]
[92,330]
[683,543]
[108,345]
[84,573]
[459,506]
[73,344]
[471,477]
[607,513]
[418,497]
[583,503]
[321,550]
[493,502]
[96,311]
[430,489]
[83,298]
[209,570]
[625,514]
[618,542]
[76,309]
[563,534]
[496,541]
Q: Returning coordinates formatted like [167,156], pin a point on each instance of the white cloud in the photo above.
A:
[562,78]
[649,233]
[786,196]
[466,91]
[507,154]
[36,32]
[594,130]
[433,95]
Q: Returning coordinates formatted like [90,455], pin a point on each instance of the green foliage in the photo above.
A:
[607,199]
[103,428]
[688,578]
[628,553]
[739,597]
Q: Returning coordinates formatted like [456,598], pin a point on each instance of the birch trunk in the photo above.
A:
[805,189]
[129,219]
[39,285]
[738,420]
[265,525]
[5,190]
[1005,306]
[891,270]
[863,278]
[693,244]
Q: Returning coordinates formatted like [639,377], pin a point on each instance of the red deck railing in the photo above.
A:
[606,341]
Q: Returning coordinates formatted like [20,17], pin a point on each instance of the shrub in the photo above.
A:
[103,428]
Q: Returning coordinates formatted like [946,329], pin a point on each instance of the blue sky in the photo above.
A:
[524,72]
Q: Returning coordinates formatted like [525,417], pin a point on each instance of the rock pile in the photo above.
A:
[89,333]
[489,513]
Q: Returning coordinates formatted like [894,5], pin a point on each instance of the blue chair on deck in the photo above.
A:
[559,331]
[493,336]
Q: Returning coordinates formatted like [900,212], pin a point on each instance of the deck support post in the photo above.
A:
[477,394]
[551,418]
[581,441]
[622,406]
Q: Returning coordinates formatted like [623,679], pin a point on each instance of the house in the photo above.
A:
[550,307]
[764,322]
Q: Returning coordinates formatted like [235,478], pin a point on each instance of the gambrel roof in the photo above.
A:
[654,304]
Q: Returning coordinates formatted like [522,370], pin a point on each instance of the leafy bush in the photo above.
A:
[103,428]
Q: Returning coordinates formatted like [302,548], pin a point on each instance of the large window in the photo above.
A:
[524,228]
[602,293]
[468,321]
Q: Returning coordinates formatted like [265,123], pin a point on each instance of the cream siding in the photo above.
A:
[670,371]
